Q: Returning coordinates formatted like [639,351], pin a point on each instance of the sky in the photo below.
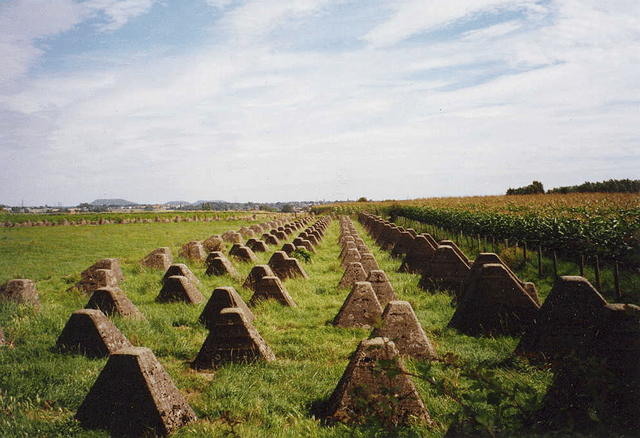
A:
[282,100]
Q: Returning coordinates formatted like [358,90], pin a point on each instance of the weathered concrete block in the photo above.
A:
[365,389]
[180,269]
[112,301]
[400,324]
[91,333]
[20,290]
[494,303]
[222,298]
[178,288]
[232,339]
[354,273]
[361,308]
[271,288]
[134,396]
[160,258]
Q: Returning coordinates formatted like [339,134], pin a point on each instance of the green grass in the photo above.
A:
[40,390]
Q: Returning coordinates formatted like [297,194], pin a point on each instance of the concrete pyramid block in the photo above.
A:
[271,288]
[457,250]
[418,255]
[222,298]
[110,264]
[91,333]
[288,248]
[403,245]
[345,236]
[381,286]
[212,255]
[280,234]
[446,270]
[369,262]
[361,308]
[134,396]
[601,377]
[566,321]
[221,266]
[399,324]
[96,279]
[194,251]
[305,243]
[178,288]
[495,303]
[259,246]
[214,243]
[286,267]
[390,237]
[244,254]
[180,269]
[246,232]
[354,273]
[365,389]
[232,339]
[349,244]
[257,272]
[112,301]
[313,237]
[352,255]
[234,249]
[160,258]
[488,257]
[270,239]
[20,290]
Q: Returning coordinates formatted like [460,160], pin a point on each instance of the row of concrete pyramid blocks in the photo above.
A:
[280,265]
[161,258]
[575,321]
[280,262]
[134,393]
[364,306]
[396,333]
[490,298]
[232,338]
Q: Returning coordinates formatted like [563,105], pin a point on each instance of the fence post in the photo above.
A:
[555,264]
[597,274]
[539,261]
[582,265]
[616,281]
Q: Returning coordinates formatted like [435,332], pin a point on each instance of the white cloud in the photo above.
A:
[251,22]
[118,12]
[530,99]
[415,16]
[24,22]
[491,32]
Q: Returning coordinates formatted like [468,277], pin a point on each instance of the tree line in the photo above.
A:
[610,186]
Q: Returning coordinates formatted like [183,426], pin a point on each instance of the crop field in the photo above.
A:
[41,389]
[587,228]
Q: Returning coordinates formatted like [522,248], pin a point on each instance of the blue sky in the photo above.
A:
[262,101]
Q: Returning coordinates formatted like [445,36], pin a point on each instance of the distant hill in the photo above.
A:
[200,202]
[111,202]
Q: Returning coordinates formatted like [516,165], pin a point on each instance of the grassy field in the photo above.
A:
[40,390]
